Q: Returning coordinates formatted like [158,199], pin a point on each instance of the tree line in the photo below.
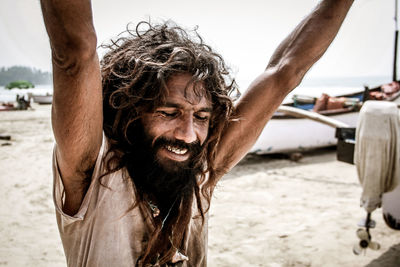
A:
[17,73]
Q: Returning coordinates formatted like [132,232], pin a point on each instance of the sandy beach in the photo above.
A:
[267,211]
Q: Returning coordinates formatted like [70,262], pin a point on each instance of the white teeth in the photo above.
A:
[176,150]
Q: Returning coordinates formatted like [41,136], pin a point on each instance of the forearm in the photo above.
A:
[288,65]
[310,39]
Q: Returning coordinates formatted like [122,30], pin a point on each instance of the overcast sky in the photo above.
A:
[244,32]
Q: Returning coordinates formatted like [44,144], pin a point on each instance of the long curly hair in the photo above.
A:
[135,71]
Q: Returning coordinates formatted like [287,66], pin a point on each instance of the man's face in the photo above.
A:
[180,125]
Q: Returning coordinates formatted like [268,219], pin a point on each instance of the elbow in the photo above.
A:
[73,56]
[288,74]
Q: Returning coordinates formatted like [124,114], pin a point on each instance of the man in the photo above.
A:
[143,139]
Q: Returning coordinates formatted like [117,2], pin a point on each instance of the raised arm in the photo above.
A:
[287,67]
[77,98]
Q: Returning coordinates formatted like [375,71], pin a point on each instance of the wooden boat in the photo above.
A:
[43,99]
[6,107]
[287,133]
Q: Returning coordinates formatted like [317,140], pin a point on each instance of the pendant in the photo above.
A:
[154,209]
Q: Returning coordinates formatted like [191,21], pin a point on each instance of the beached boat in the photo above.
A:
[287,133]
[6,107]
[43,99]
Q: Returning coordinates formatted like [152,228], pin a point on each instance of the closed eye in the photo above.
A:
[169,114]
[201,117]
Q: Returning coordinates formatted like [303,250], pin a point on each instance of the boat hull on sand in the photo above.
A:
[285,135]
[43,99]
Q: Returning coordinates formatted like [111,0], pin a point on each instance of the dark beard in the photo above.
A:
[154,181]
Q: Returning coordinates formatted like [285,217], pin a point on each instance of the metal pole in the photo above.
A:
[300,113]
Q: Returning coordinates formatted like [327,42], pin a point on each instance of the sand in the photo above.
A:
[265,212]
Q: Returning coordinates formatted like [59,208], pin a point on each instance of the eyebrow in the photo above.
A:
[175,105]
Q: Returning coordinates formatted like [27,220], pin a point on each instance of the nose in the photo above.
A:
[185,130]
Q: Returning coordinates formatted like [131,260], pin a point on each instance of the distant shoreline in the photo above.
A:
[310,86]
[7,95]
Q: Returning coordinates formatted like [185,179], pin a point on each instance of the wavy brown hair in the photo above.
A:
[135,70]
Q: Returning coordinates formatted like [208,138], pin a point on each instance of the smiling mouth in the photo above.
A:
[176,150]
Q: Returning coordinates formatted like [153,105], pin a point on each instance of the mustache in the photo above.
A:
[194,148]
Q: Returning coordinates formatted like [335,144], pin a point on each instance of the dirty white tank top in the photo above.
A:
[106,231]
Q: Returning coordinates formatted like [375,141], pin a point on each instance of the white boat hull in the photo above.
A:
[299,134]
[43,99]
